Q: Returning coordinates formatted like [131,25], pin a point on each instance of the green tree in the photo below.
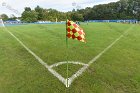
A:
[29,16]
[27,9]
[4,17]
[41,13]
[77,17]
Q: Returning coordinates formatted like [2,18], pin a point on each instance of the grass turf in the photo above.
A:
[117,71]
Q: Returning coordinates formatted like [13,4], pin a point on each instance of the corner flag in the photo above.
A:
[74,31]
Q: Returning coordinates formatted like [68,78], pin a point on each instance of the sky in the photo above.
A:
[16,7]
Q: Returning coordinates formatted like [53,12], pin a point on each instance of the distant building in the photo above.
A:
[43,22]
[17,21]
[117,21]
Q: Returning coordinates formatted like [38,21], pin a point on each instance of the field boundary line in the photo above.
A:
[80,71]
[69,62]
[63,80]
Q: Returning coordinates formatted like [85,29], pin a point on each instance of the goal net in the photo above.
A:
[1,23]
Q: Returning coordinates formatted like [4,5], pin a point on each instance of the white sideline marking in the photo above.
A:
[79,72]
[69,62]
[39,59]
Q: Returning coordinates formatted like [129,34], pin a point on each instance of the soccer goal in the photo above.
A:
[1,23]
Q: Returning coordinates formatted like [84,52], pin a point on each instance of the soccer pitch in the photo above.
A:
[115,71]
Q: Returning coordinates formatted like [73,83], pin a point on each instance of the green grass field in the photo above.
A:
[116,71]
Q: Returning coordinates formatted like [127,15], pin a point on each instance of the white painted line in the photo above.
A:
[78,73]
[69,62]
[63,80]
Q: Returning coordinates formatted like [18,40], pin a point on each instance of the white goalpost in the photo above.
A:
[1,23]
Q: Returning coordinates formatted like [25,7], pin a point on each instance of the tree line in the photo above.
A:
[123,9]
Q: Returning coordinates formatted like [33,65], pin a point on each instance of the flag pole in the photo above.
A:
[67,85]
